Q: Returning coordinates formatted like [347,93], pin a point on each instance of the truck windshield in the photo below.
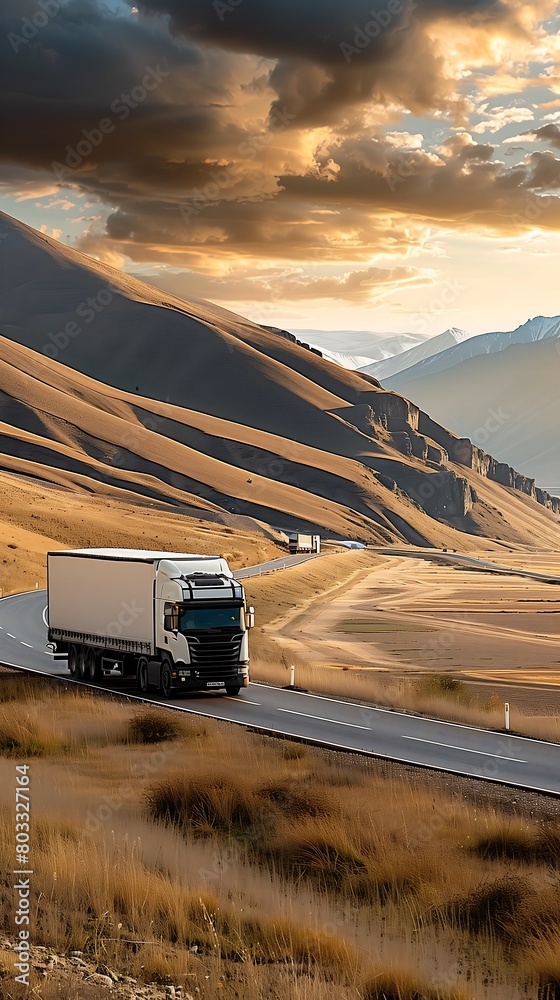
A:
[202,619]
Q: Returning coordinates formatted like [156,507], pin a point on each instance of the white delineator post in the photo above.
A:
[292,676]
[507,715]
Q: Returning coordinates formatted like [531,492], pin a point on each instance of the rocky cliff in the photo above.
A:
[414,433]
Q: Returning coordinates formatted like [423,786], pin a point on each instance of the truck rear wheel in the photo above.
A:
[81,659]
[92,668]
[73,661]
[142,674]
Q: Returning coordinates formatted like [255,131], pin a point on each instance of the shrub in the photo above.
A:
[153,726]
[520,843]
[329,864]
[442,686]
[493,907]
[404,986]
[295,800]
[203,803]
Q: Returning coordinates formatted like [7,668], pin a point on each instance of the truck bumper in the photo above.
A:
[184,681]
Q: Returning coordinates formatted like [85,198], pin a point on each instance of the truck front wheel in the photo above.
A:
[233,689]
[142,674]
[166,683]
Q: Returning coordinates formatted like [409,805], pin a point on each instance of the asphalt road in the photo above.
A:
[396,736]
[269,567]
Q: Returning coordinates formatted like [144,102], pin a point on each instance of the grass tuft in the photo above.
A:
[442,686]
[493,907]
[521,842]
[153,726]
[203,803]
[405,986]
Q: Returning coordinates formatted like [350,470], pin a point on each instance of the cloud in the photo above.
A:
[369,285]
[548,133]
[260,142]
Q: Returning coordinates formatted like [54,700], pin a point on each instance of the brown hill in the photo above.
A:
[112,387]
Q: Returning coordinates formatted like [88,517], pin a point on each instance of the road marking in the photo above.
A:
[484,753]
[335,722]
[26,644]
[242,701]
[11,636]
[405,715]
[45,622]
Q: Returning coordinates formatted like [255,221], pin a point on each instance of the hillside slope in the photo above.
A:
[108,386]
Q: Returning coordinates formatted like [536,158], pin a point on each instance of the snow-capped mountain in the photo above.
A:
[538,328]
[362,343]
[385,369]
[352,362]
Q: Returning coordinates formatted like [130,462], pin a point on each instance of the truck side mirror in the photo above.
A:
[250,618]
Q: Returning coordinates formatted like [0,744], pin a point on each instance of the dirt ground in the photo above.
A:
[411,617]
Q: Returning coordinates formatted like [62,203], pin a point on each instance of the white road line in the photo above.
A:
[241,701]
[26,644]
[406,715]
[335,722]
[45,622]
[484,753]
[11,636]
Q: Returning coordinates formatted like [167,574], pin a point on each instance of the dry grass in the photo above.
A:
[403,985]
[265,859]
[24,734]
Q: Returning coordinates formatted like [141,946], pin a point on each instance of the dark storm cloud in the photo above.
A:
[329,54]
[548,133]
[161,102]
[305,29]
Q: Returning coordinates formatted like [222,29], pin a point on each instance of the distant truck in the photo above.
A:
[174,621]
[304,543]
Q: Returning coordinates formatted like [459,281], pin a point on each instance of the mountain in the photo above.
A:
[350,361]
[533,331]
[416,355]
[373,346]
[507,402]
[110,387]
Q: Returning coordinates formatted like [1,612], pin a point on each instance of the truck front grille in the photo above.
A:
[213,652]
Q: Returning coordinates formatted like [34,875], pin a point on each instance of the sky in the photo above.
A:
[361,165]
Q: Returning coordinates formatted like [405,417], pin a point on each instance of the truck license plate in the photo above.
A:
[214,684]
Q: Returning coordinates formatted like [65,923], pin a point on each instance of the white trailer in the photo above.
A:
[174,620]
[301,543]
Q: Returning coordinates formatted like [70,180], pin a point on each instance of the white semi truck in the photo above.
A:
[304,543]
[177,622]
